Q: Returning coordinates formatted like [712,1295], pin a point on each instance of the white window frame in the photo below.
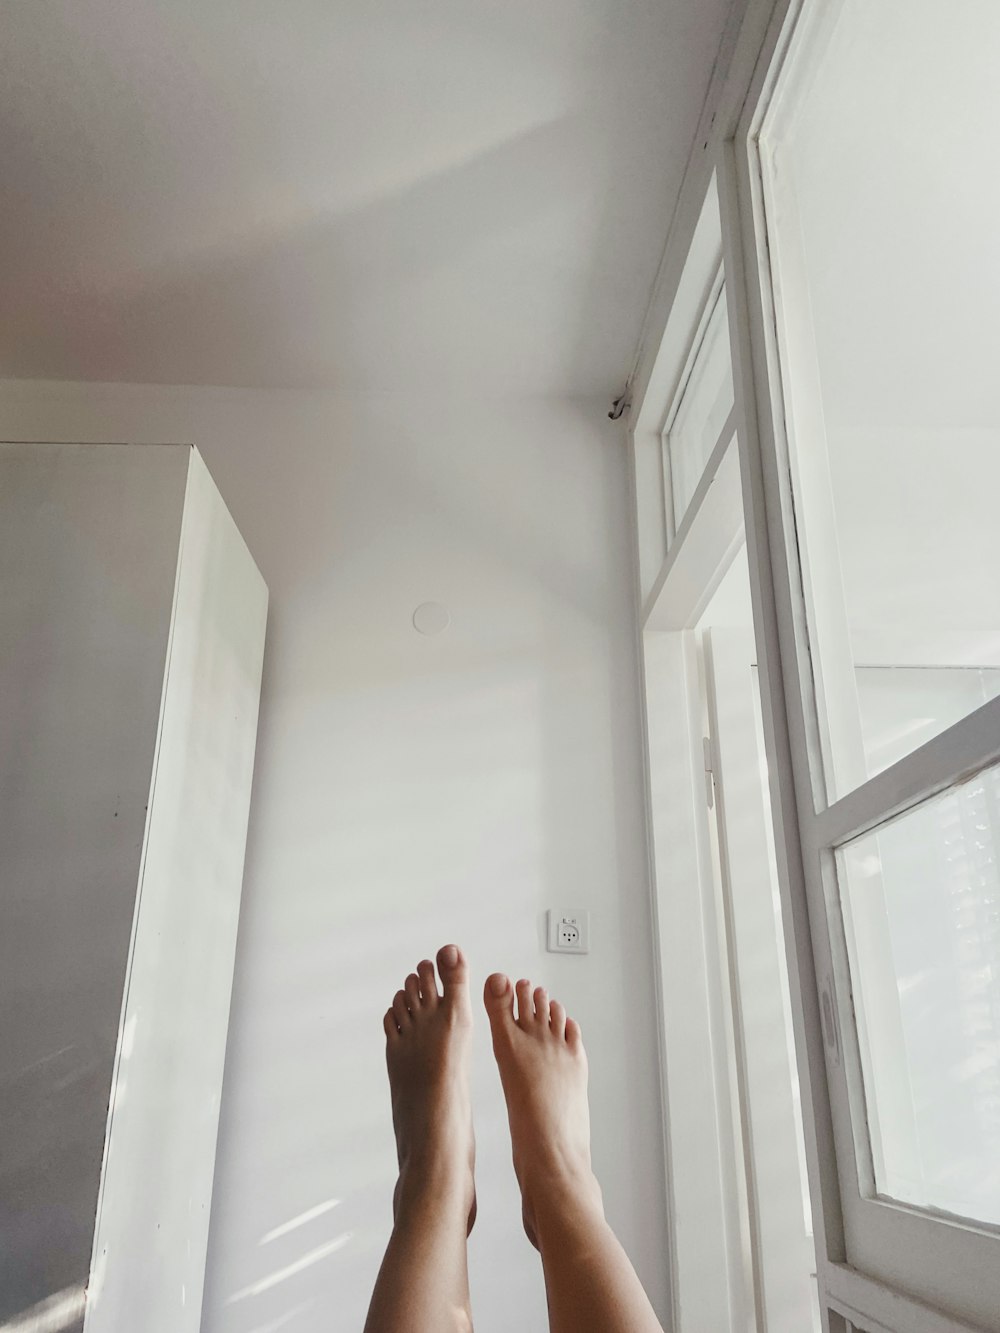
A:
[691,361]
[883,1266]
[782,1254]
[710,1282]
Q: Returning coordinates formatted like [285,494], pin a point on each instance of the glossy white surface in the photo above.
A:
[152,1231]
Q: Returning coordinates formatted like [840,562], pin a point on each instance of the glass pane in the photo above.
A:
[880,198]
[921,901]
[705,402]
[901,707]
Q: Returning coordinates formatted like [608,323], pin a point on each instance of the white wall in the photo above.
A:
[409,791]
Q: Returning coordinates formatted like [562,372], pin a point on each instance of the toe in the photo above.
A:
[557,1019]
[428,982]
[573,1035]
[541,1005]
[401,1011]
[390,1025]
[498,996]
[454,971]
[412,987]
[525,1006]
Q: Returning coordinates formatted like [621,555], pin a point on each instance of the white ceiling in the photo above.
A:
[362,193]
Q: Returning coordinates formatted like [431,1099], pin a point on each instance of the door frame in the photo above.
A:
[783,1253]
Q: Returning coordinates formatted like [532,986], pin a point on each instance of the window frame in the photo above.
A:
[883,1266]
[675,521]
[710,1279]
[943,1261]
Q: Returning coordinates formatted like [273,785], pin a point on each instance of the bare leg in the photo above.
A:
[423,1284]
[590,1284]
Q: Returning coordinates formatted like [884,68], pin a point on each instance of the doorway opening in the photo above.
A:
[780,1256]
[738,1183]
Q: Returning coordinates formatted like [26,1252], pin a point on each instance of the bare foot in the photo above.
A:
[543,1069]
[427,1051]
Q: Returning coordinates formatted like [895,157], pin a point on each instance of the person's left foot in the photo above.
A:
[427,1051]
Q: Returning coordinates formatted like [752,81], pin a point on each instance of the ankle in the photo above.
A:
[554,1164]
[557,1183]
[433,1183]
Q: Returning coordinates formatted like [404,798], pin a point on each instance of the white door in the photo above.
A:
[782,1250]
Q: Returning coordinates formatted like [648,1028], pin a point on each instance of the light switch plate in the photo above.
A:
[568,930]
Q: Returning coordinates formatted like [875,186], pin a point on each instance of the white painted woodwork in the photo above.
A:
[706,542]
[88,555]
[651,507]
[807,947]
[151,1243]
[694,280]
[783,1252]
[943,1263]
[933,1275]
[834,691]
[708,1276]
[702,407]
[133,623]
[694,274]
[817,530]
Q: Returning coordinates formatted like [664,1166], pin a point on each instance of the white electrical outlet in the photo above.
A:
[568,931]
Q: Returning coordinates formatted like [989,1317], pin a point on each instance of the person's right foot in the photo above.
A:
[543,1069]
[427,1052]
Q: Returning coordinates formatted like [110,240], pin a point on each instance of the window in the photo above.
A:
[702,406]
[838,215]
[922,897]
[880,218]
[879,262]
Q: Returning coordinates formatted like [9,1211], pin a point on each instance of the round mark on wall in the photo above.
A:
[431,618]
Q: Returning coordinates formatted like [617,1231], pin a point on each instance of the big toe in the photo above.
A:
[454,973]
[498,997]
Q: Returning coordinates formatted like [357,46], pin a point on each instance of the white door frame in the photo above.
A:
[710,1283]
[783,1254]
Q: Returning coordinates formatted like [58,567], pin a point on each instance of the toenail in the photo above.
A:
[498,984]
[449,955]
